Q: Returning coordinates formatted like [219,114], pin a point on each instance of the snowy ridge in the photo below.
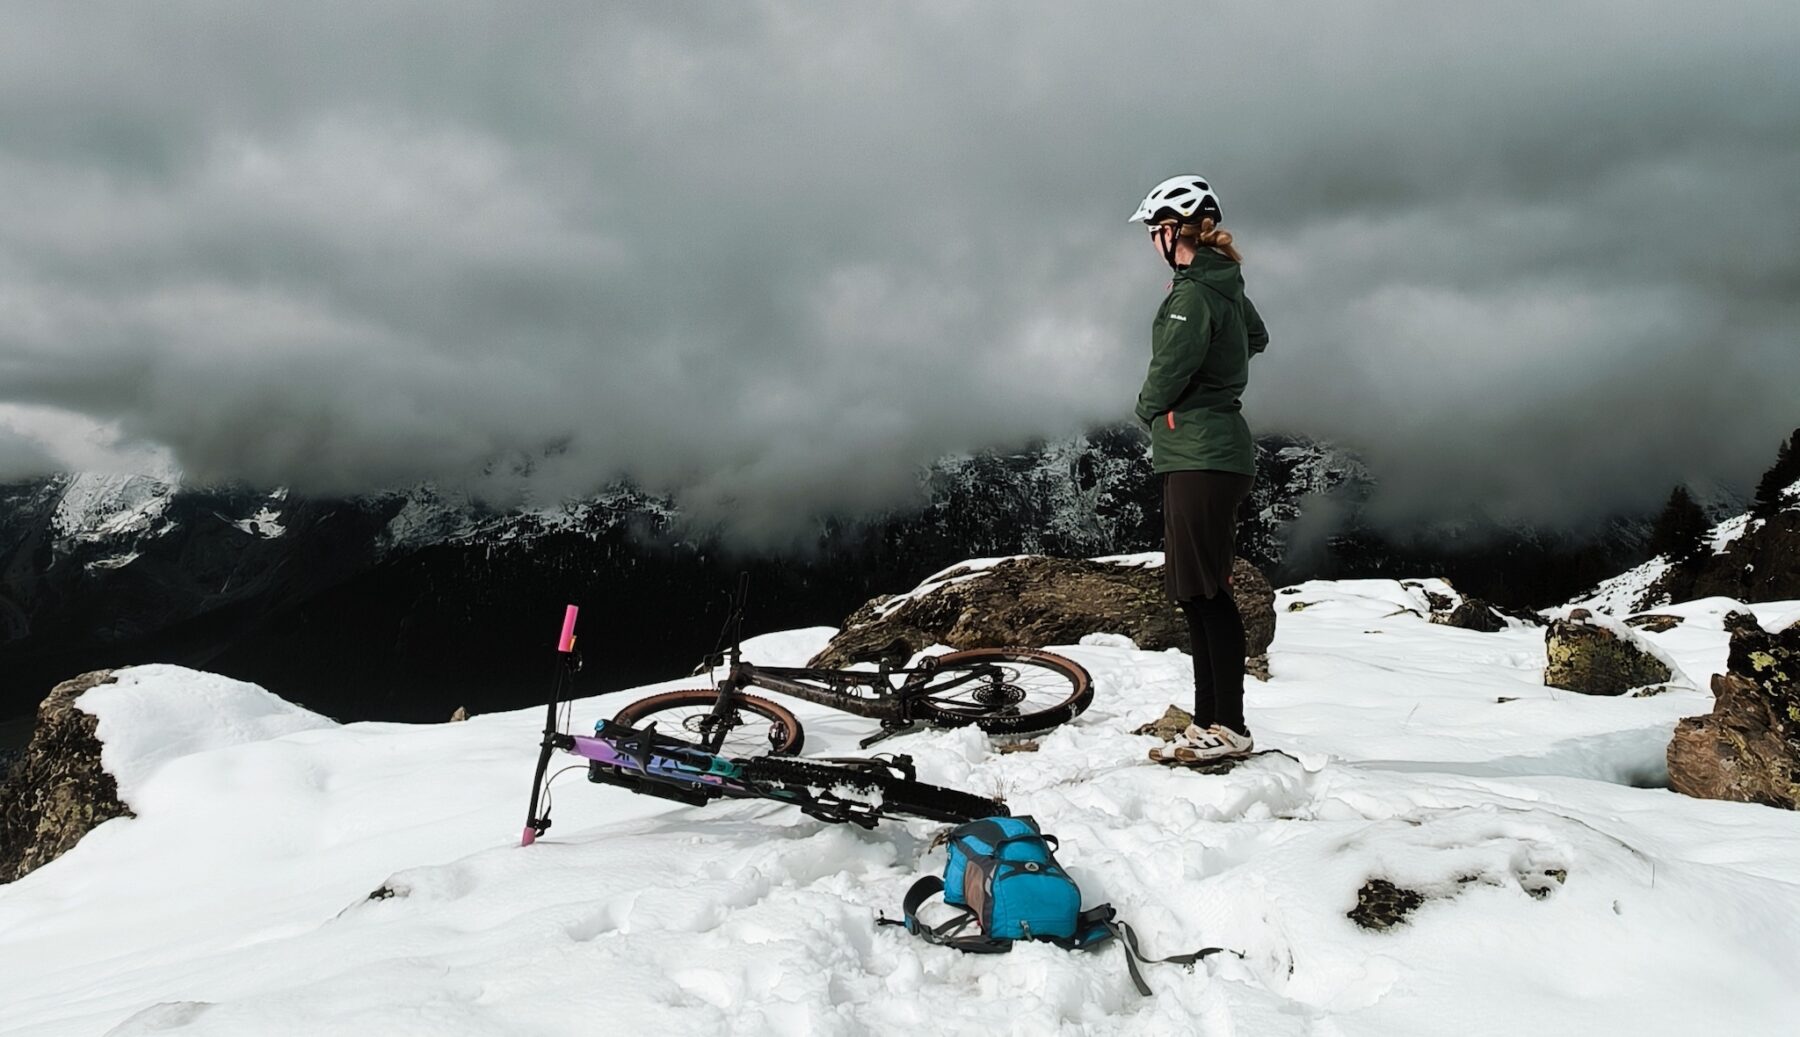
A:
[1631,591]
[98,506]
[1564,896]
[117,513]
[1085,495]
[1627,592]
[430,515]
[146,723]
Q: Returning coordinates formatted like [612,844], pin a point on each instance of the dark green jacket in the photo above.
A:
[1200,350]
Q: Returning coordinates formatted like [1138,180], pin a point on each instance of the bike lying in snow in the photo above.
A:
[647,762]
[1005,691]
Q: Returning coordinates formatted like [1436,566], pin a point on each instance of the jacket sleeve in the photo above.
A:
[1177,347]
[1253,323]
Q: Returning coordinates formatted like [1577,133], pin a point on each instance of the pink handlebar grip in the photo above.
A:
[566,643]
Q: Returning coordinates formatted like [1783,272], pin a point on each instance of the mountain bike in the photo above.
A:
[647,762]
[1000,690]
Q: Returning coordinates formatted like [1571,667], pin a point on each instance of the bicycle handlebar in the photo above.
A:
[566,643]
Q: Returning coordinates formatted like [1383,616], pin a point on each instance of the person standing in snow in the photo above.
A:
[1201,343]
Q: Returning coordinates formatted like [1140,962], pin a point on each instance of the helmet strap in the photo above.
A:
[1169,246]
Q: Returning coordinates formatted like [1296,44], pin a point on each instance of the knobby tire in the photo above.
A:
[789,735]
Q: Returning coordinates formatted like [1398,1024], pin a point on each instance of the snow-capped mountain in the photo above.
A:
[104,569]
[406,604]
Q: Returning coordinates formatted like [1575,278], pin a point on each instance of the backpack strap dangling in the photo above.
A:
[1128,939]
[1097,926]
[945,934]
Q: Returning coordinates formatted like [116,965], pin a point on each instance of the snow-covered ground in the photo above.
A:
[237,901]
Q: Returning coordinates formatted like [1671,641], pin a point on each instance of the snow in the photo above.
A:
[964,572]
[266,523]
[112,561]
[96,506]
[1140,559]
[150,716]
[237,900]
[1720,538]
[426,517]
[970,567]
[430,515]
[1629,591]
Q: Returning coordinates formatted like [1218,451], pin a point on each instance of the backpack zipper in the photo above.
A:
[1171,416]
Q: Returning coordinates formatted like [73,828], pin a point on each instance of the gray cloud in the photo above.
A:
[22,456]
[774,255]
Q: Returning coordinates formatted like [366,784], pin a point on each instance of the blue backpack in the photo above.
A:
[1002,872]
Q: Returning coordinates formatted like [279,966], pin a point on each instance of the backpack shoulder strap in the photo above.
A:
[949,933]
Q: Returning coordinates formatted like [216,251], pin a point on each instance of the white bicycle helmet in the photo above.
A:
[1187,198]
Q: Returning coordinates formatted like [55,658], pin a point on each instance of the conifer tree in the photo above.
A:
[1784,473]
[1681,529]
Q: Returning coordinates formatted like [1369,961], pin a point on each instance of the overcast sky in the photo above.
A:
[773,256]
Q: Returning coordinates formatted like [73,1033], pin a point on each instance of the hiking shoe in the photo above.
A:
[1205,745]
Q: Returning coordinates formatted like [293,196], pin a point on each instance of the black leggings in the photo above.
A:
[1217,630]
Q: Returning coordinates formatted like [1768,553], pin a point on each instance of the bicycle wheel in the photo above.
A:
[1004,690]
[751,726]
[836,792]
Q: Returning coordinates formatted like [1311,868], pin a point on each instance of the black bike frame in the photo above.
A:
[857,692]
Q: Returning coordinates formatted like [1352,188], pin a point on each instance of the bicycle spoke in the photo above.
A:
[751,726]
[1003,689]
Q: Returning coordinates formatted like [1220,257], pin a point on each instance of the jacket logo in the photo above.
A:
[1176,316]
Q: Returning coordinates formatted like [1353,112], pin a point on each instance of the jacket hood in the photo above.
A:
[1216,272]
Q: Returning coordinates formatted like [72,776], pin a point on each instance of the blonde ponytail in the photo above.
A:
[1206,235]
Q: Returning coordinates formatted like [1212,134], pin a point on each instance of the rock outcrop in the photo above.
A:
[1763,564]
[56,792]
[1748,748]
[1472,614]
[1169,726]
[1587,656]
[1382,905]
[1036,601]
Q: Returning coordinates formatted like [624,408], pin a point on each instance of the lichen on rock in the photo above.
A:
[1380,904]
[57,791]
[1585,656]
[1169,726]
[1748,748]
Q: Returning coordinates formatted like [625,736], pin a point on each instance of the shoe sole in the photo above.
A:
[1181,756]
